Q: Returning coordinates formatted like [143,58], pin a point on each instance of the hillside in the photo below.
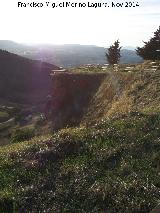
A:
[67,55]
[23,80]
[110,163]
[126,92]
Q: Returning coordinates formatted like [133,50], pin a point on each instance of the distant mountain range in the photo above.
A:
[67,55]
[24,80]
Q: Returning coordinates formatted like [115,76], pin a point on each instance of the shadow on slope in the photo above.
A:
[23,80]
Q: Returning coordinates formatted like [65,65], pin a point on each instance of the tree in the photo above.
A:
[113,54]
[151,49]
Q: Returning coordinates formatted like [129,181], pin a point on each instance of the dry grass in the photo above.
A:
[123,92]
[109,94]
[123,105]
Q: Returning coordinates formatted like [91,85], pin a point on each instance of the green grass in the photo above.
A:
[22,134]
[113,165]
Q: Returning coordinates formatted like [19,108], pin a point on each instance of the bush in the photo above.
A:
[22,134]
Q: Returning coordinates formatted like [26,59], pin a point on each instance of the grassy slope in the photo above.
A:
[123,93]
[112,165]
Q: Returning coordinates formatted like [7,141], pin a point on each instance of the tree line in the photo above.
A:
[150,50]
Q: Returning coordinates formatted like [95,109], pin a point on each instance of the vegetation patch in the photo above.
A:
[112,166]
[22,134]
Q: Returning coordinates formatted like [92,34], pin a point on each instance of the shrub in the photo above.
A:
[22,134]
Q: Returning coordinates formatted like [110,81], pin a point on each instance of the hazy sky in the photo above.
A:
[98,26]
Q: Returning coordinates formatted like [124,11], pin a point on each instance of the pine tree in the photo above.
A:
[151,49]
[113,54]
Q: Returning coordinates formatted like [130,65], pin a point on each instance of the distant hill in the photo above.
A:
[67,55]
[23,80]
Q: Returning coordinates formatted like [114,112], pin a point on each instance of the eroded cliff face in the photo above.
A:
[71,95]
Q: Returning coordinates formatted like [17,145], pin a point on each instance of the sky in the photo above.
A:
[75,25]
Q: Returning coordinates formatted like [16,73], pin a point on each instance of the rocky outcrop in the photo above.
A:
[71,94]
